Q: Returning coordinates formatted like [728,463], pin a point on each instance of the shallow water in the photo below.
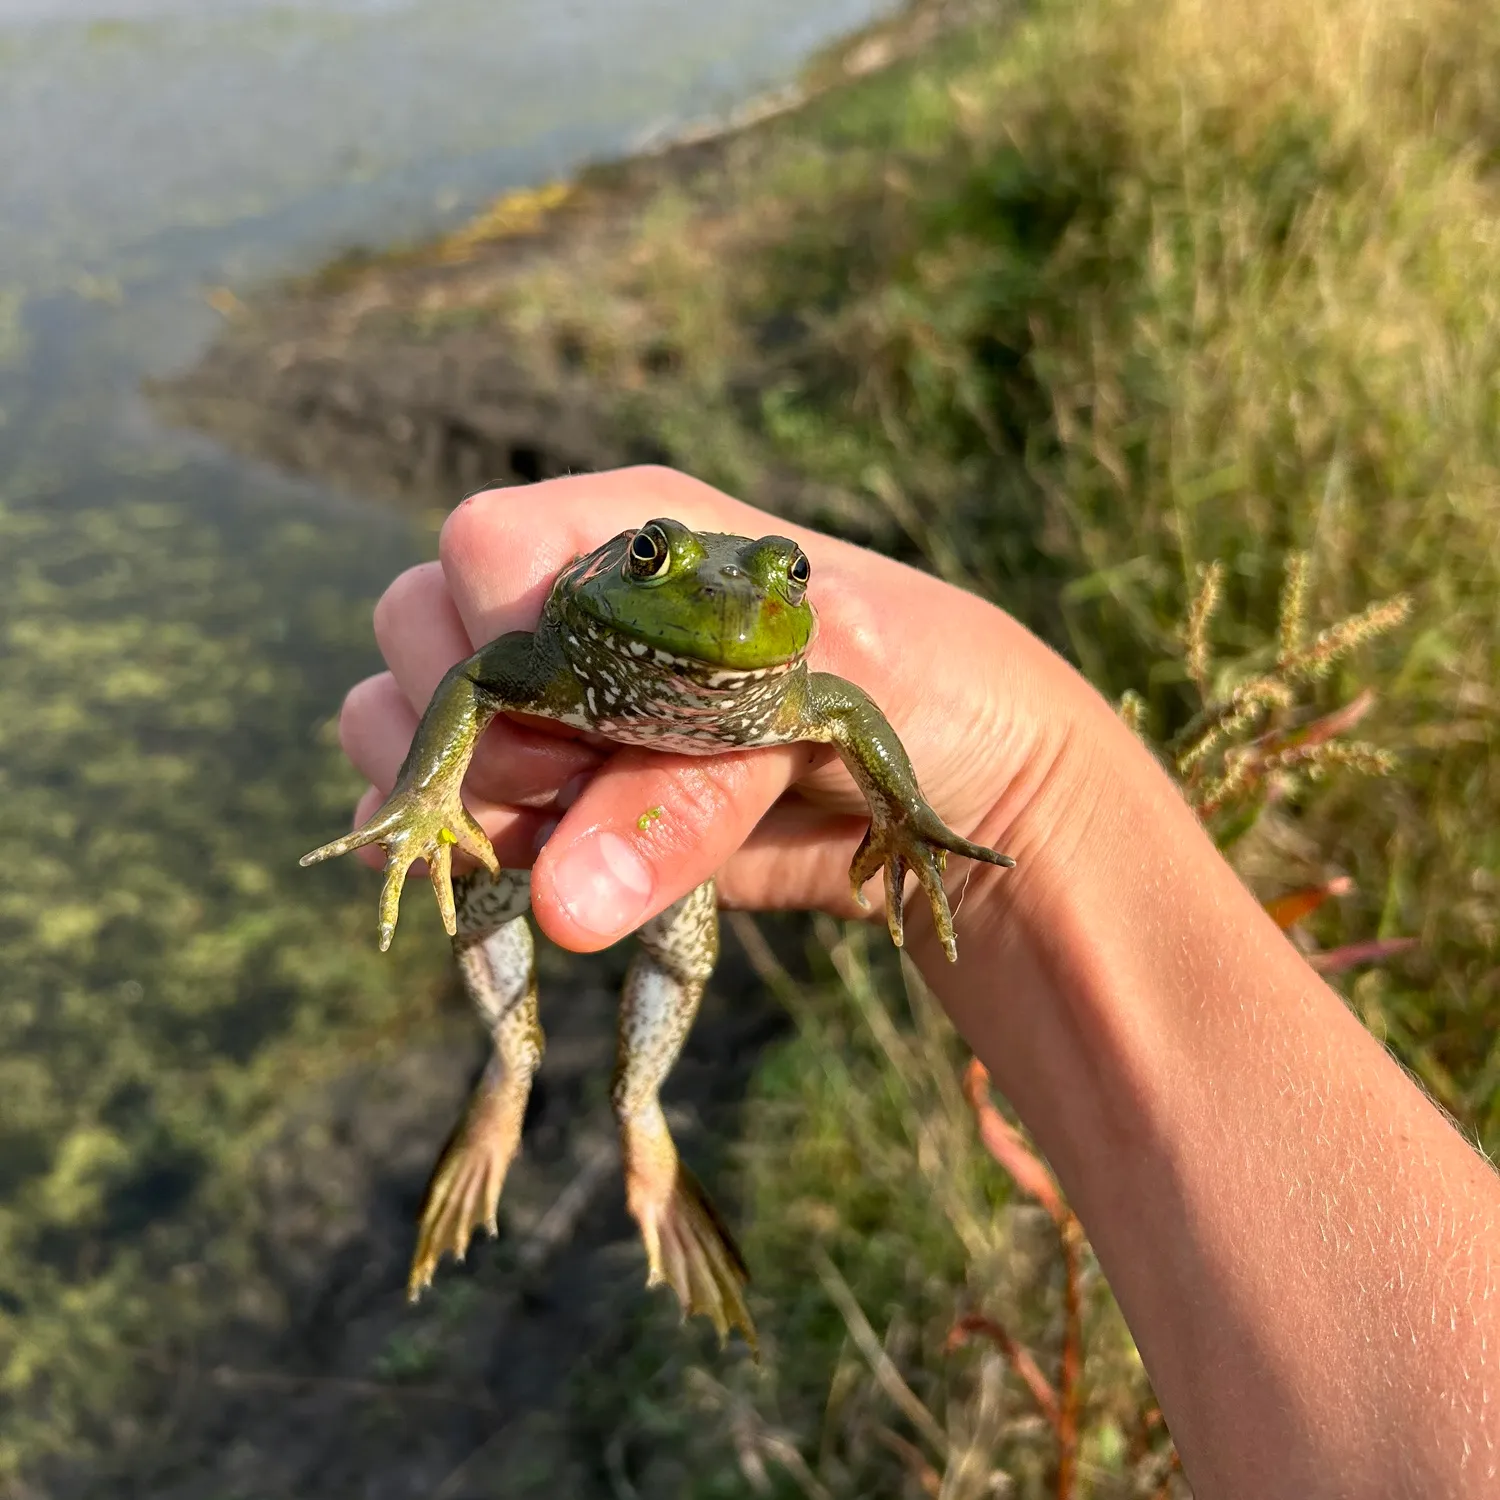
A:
[176,626]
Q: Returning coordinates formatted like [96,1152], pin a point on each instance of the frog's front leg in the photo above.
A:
[424,816]
[904,833]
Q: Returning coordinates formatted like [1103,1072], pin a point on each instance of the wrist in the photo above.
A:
[1054,986]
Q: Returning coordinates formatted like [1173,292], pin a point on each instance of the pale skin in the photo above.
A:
[1303,1245]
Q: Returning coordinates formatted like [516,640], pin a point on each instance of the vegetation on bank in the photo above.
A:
[1080,302]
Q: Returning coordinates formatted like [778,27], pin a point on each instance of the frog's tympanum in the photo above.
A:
[687,642]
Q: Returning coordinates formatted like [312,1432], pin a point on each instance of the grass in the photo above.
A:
[1079,303]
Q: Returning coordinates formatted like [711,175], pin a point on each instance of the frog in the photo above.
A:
[684,641]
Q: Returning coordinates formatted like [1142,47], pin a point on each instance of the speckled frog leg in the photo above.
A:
[424,817]
[496,962]
[687,1244]
[904,833]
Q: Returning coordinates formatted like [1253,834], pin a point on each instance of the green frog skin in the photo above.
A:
[683,641]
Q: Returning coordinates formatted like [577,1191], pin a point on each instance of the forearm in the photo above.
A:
[1300,1241]
[448,731]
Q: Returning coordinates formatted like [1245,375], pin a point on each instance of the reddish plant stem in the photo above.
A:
[1071,1372]
[1017,1356]
[915,1460]
[1003,1141]
[1032,1176]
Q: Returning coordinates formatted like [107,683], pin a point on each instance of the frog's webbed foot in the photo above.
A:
[688,1246]
[463,1194]
[920,842]
[417,822]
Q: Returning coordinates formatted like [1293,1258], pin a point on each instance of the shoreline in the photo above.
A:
[331,377]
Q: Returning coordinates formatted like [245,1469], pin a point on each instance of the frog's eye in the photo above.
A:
[648,555]
[797,575]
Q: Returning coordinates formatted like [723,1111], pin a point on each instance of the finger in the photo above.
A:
[376,725]
[419,631]
[796,859]
[648,829]
[512,766]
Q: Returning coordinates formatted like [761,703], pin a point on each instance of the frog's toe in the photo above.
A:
[930,872]
[895,886]
[375,830]
[918,845]
[440,873]
[390,898]
[474,840]
[868,858]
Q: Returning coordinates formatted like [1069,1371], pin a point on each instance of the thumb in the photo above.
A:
[648,829]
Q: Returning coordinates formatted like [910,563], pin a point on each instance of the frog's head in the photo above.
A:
[725,601]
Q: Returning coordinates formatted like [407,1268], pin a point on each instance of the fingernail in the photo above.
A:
[603,885]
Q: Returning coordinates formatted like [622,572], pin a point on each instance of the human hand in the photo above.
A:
[988,715]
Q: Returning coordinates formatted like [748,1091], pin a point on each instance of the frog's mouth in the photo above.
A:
[731,626]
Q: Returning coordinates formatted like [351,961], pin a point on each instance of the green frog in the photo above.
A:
[684,641]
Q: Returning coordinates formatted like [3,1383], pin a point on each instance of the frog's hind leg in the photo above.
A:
[496,961]
[687,1243]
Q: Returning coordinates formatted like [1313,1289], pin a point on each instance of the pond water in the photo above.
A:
[176,626]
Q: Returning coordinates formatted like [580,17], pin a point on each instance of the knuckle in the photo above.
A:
[652,476]
[718,796]
[473,524]
[665,486]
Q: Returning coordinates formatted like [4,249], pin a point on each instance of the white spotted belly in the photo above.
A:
[638,695]
[680,741]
